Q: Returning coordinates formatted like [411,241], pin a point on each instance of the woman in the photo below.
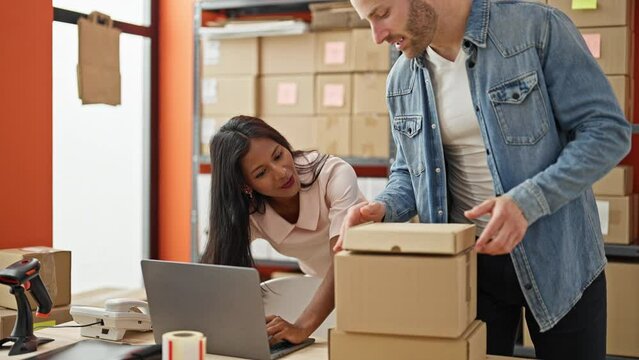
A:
[296,200]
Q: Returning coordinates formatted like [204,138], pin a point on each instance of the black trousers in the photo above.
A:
[581,334]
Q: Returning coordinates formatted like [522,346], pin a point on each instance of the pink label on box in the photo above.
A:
[594,44]
[286,93]
[333,95]
[335,52]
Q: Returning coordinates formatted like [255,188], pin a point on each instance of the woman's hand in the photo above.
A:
[279,329]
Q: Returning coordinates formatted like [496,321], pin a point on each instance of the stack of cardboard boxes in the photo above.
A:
[608,28]
[407,291]
[323,90]
[55,272]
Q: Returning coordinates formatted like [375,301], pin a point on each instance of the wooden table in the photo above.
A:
[66,336]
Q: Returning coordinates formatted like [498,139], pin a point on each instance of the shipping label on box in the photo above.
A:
[414,295]
[359,346]
[230,56]
[55,272]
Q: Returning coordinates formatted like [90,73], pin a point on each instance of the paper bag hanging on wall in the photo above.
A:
[98,60]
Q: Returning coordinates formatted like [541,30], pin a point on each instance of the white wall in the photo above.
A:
[100,162]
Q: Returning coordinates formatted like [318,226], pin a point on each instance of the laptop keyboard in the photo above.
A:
[281,346]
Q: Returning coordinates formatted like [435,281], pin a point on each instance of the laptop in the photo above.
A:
[222,302]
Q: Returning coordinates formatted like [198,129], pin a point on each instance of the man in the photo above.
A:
[501,117]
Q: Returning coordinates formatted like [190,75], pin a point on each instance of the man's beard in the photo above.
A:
[422,22]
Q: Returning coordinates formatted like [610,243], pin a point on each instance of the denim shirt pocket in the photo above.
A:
[520,109]
[409,127]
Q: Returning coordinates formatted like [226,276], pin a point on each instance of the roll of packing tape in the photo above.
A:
[183,345]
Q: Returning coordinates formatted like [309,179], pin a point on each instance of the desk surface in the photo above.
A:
[65,336]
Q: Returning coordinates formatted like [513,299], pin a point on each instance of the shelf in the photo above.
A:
[364,167]
[622,251]
[236,4]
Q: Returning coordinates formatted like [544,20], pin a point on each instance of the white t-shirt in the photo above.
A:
[468,176]
[322,210]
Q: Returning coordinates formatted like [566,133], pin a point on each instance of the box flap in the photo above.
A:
[410,238]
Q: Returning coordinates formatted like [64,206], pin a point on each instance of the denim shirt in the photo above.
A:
[551,126]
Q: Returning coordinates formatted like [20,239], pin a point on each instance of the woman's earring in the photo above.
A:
[248,192]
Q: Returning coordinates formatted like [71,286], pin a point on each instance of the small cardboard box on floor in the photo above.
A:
[407,279]
[55,272]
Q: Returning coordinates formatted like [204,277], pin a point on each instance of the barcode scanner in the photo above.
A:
[22,276]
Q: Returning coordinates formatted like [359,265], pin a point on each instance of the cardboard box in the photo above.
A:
[287,95]
[618,182]
[334,135]
[335,15]
[57,316]
[357,346]
[615,216]
[333,94]
[334,52]
[300,131]
[398,294]
[621,87]
[411,238]
[367,55]
[612,48]
[55,272]
[229,95]
[369,93]
[607,13]
[277,52]
[209,126]
[230,56]
[370,136]
[623,309]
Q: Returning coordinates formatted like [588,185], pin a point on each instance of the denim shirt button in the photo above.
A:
[528,286]
[438,170]
[477,108]
[433,126]
[440,212]
[471,64]
[466,44]
[515,96]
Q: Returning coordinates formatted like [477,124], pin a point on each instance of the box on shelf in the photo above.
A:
[615,216]
[334,52]
[55,272]
[369,93]
[209,127]
[612,48]
[333,94]
[471,345]
[618,182]
[334,135]
[230,56]
[395,292]
[277,52]
[229,95]
[622,88]
[57,316]
[335,15]
[287,95]
[607,13]
[370,136]
[367,55]
[300,131]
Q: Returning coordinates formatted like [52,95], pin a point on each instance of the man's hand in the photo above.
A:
[359,214]
[506,227]
[279,329]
